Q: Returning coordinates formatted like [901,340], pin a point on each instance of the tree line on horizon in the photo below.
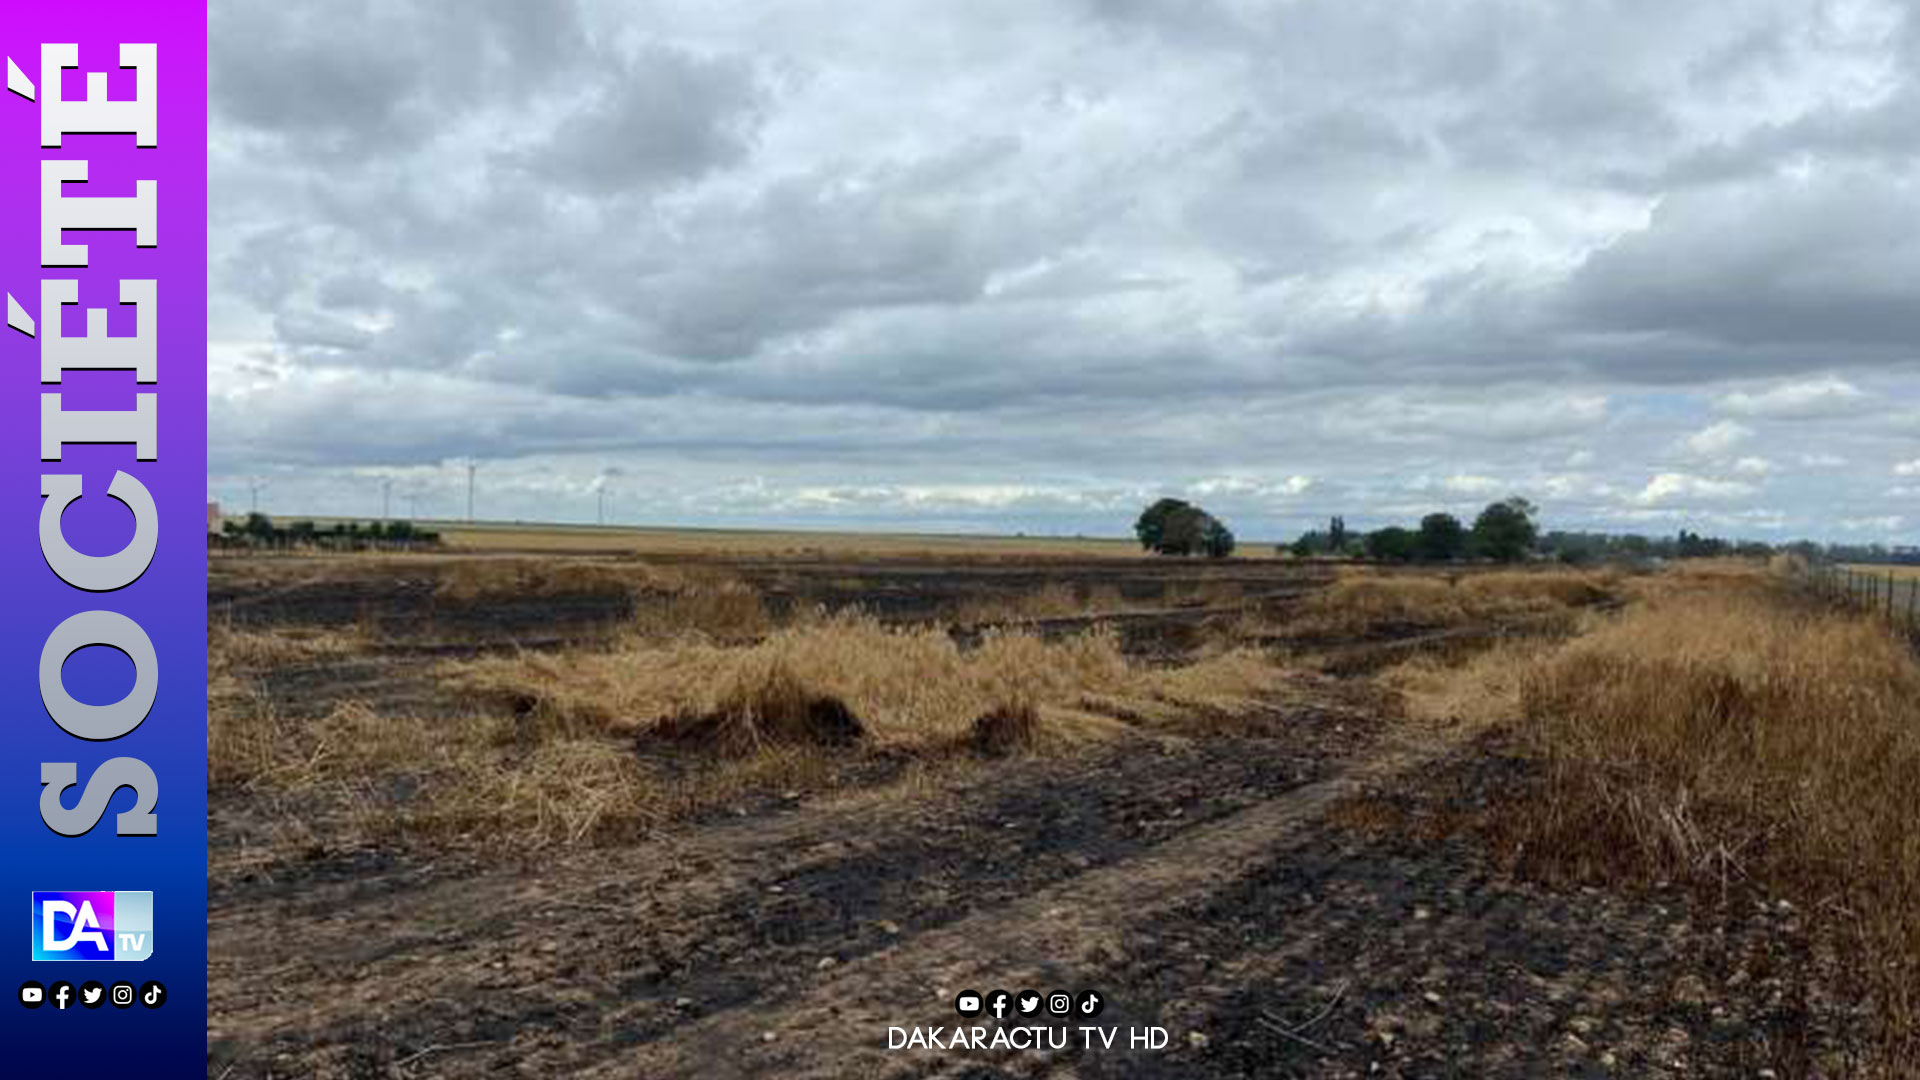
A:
[1504,531]
[259,530]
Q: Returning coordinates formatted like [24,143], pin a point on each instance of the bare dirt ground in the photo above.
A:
[1300,893]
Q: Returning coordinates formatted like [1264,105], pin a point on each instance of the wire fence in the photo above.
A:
[1893,592]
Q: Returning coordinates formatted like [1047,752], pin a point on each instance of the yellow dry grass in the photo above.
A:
[1479,692]
[667,600]
[909,686]
[1727,728]
[719,609]
[576,539]
[471,580]
[468,784]
[1358,602]
[244,738]
[1899,573]
[547,755]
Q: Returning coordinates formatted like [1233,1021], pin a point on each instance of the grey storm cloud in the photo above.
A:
[660,117]
[1829,262]
[1014,264]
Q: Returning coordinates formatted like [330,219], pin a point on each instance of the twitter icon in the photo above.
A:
[1029,1002]
[92,994]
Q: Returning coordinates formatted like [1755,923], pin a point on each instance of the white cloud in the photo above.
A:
[1822,461]
[1753,466]
[1251,487]
[1718,437]
[1802,400]
[1672,487]
[1885,524]
[1907,468]
[1468,484]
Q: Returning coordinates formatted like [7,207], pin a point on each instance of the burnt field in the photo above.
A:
[737,815]
[500,598]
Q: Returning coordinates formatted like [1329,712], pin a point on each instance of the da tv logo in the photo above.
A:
[92,925]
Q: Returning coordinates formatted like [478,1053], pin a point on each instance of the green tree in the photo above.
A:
[1691,545]
[1216,539]
[1311,543]
[1151,528]
[1337,536]
[1392,544]
[1505,531]
[1442,538]
[1189,530]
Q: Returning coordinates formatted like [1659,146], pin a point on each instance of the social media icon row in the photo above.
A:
[1026,1004]
[92,995]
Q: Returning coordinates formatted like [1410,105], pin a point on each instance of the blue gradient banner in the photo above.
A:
[103,206]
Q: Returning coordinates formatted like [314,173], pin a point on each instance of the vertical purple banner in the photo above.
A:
[102,483]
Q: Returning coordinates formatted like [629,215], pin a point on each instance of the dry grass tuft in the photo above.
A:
[1356,604]
[1481,691]
[1360,603]
[1007,729]
[231,648]
[767,705]
[724,610]
[667,601]
[911,685]
[355,776]
[1727,729]
[245,738]
[1534,589]
[475,579]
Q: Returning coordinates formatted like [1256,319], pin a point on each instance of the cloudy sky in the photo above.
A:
[1026,264]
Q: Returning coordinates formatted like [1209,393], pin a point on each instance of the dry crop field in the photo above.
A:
[1903,572]
[552,812]
[521,538]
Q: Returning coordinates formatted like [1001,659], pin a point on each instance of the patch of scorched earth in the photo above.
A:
[1398,953]
[574,958]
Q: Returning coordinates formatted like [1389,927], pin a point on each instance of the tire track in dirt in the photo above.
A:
[1296,947]
[837,1027]
[344,974]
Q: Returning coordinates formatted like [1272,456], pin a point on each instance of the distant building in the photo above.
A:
[213,516]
